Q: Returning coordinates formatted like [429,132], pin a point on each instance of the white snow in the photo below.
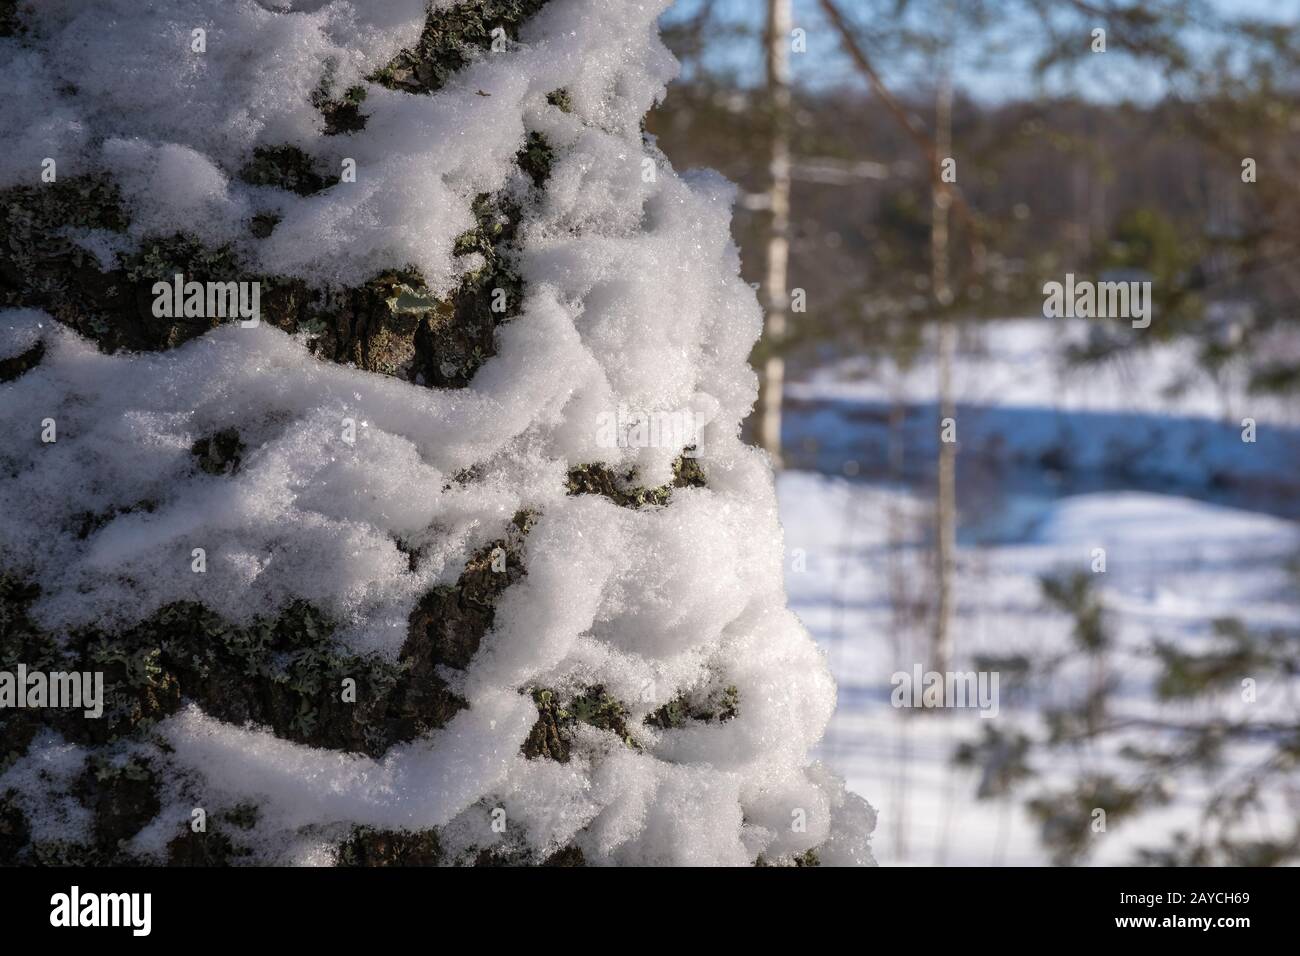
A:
[1020,363]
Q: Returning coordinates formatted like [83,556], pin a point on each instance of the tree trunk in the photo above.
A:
[359,569]
[776,296]
[946,491]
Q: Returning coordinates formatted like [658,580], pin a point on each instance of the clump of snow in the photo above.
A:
[40,784]
[171,187]
[21,330]
[633,298]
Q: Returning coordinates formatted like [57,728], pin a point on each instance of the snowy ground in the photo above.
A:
[1019,363]
[857,561]
[1173,566]
[1148,418]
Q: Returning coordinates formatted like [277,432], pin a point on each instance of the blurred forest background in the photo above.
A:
[1109,522]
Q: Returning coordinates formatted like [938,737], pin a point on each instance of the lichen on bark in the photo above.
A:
[717,705]
[557,716]
[622,488]
[449,41]
[286,674]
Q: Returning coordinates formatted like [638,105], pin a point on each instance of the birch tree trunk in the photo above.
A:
[946,493]
[775,285]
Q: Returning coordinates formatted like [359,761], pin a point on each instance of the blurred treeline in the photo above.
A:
[1058,179]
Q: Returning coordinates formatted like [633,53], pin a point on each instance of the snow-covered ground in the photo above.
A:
[1173,565]
[1020,362]
[858,560]
[1148,416]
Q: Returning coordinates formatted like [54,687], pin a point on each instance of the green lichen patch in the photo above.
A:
[687,472]
[807,858]
[545,739]
[115,308]
[358,325]
[394,325]
[342,113]
[212,845]
[514,852]
[40,267]
[598,709]
[286,673]
[536,159]
[86,202]
[220,453]
[561,100]
[242,816]
[622,489]
[122,797]
[551,735]
[285,167]
[720,706]
[449,41]
[16,365]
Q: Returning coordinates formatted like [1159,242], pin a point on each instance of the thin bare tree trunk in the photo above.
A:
[946,496]
[779,20]
[946,196]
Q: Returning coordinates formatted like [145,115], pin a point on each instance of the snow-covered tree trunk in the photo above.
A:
[371,390]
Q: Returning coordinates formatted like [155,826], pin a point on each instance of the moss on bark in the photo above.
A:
[721,705]
[450,40]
